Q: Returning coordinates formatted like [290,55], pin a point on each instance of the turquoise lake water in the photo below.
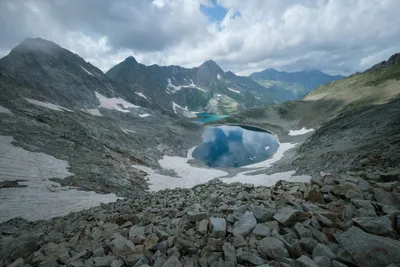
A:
[208,117]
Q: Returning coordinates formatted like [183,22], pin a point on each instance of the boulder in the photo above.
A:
[247,257]
[172,262]
[229,255]
[195,216]
[245,224]
[263,214]
[369,250]
[273,248]
[121,245]
[218,227]
[305,261]
[288,216]
[261,230]
[322,250]
[375,225]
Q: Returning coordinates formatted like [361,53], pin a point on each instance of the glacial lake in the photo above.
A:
[204,117]
[235,146]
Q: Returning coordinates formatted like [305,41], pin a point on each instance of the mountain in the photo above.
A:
[53,101]
[292,85]
[196,89]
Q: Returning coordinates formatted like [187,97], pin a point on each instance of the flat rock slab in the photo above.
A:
[288,216]
[369,250]
[245,224]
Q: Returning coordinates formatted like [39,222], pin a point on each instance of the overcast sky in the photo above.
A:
[335,36]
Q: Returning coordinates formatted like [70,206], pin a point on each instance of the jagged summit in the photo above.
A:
[393,60]
[131,60]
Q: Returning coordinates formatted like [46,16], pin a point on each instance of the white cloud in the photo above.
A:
[338,36]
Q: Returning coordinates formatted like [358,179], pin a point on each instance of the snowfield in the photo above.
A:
[115,103]
[41,198]
[5,110]
[47,105]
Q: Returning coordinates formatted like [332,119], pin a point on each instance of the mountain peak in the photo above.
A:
[131,60]
[212,67]
[37,44]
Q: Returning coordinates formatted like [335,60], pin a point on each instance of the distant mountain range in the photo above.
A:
[292,85]
[51,73]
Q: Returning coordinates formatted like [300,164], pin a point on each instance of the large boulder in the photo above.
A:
[369,250]
[218,227]
[245,224]
[272,247]
[375,225]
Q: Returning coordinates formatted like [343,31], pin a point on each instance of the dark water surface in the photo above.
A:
[235,146]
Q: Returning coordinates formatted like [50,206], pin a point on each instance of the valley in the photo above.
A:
[172,166]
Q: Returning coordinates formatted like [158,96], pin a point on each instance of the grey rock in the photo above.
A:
[245,224]
[319,236]
[263,214]
[244,257]
[143,261]
[98,252]
[229,255]
[288,216]
[301,231]
[103,261]
[305,261]
[49,263]
[121,245]
[322,250]
[135,231]
[195,216]
[162,235]
[218,227]
[383,196]
[17,263]
[322,261]
[389,209]
[239,241]
[375,225]
[308,244]
[172,262]
[261,230]
[273,248]
[342,188]
[273,225]
[117,263]
[369,250]
[203,226]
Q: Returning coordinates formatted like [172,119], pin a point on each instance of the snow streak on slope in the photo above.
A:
[41,198]
[115,103]
[5,110]
[47,105]
[300,132]
[233,90]
[88,72]
[144,115]
[175,88]
[93,111]
[141,95]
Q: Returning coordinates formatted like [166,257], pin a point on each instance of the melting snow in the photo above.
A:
[5,110]
[177,88]
[88,72]
[185,111]
[189,176]
[41,199]
[93,111]
[300,132]
[47,105]
[141,95]
[115,103]
[233,90]
[144,115]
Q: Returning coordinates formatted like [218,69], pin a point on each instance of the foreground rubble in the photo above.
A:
[334,221]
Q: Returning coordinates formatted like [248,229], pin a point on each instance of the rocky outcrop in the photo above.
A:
[276,226]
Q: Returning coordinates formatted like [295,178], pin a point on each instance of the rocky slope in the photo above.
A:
[338,221]
[195,88]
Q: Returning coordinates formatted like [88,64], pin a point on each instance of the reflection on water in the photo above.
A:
[235,146]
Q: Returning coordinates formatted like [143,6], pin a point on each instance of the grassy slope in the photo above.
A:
[370,87]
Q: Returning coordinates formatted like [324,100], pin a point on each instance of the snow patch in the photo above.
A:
[141,95]
[42,198]
[88,72]
[47,105]
[233,90]
[184,110]
[5,110]
[266,180]
[93,111]
[300,132]
[144,115]
[219,76]
[175,88]
[115,103]
[189,176]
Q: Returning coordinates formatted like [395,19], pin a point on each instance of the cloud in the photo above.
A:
[337,36]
